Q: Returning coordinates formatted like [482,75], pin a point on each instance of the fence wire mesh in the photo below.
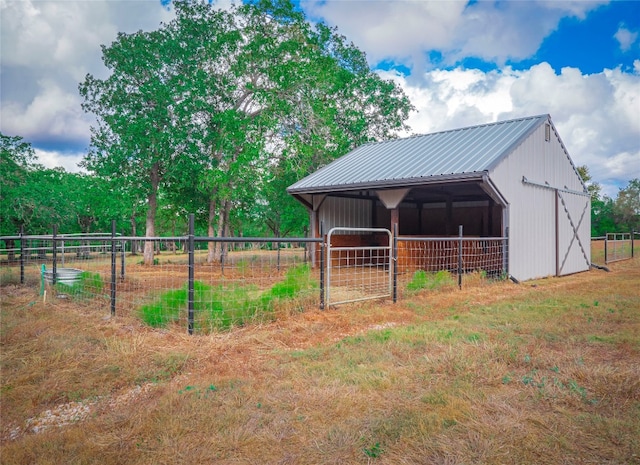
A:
[433,263]
[236,284]
[237,281]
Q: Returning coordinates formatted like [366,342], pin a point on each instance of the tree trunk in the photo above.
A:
[211,246]
[223,229]
[11,254]
[134,244]
[152,206]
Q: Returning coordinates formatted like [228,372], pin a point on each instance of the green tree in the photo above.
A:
[16,161]
[211,102]
[138,139]
[627,207]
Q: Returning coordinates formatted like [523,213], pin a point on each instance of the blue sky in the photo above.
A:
[461,63]
[590,44]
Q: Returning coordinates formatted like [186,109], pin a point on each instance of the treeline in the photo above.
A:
[619,214]
[35,198]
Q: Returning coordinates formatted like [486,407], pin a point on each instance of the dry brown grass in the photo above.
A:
[546,372]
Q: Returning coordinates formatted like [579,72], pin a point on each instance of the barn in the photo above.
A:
[512,179]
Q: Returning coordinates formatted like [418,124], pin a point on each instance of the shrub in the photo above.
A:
[221,307]
[423,280]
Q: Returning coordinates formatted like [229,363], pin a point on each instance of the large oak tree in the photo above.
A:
[216,103]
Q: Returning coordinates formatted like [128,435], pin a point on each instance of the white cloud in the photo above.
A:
[400,30]
[52,108]
[625,38]
[55,159]
[597,115]
[403,30]
[47,49]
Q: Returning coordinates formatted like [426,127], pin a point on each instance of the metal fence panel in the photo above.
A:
[359,265]
[431,262]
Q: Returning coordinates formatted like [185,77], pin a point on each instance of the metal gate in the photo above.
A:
[359,265]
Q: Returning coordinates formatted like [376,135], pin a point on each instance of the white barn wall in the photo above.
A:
[532,212]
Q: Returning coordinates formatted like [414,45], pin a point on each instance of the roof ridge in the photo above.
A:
[464,128]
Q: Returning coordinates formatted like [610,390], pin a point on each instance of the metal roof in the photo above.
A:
[455,154]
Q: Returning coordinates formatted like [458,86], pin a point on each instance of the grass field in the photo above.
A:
[545,372]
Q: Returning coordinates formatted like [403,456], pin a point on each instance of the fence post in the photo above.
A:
[505,253]
[394,261]
[21,254]
[278,256]
[191,246]
[606,246]
[113,267]
[632,234]
[322,251]
[55,255]
[460,257]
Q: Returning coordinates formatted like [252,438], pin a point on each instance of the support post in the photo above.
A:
[313,249]
[449,221]
[322,252]
[394,262]
[55,255]
[460,257]
[632,234]
[606,246]
[395,218]
[113,268]
[21,254]
[190,304]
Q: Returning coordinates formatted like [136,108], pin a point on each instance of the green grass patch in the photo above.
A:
[221,307]
[87,286]
[423,280]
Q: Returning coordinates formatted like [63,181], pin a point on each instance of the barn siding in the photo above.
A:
[345,212]
[532,211]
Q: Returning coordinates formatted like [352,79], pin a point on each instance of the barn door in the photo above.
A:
[573,232]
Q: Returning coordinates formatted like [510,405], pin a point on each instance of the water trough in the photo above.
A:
[68,276]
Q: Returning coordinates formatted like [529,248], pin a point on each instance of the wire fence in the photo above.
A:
[204,284]
[208,284]
[432,263]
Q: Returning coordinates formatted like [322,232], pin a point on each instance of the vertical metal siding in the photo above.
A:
[345,212]
[572,251]
[532,217]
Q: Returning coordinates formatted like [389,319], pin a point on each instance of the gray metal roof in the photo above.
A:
[454,154]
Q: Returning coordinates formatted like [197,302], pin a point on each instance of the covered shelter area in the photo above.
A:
[511,178]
